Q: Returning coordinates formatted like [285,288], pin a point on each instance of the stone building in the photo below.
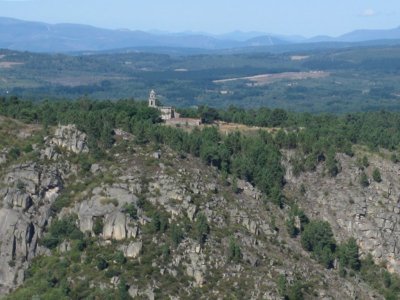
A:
[170,115]
[167,112]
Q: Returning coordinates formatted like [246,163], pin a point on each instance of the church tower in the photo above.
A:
[152,99]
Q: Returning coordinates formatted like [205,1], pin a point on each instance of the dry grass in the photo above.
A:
[17,128]
[226,128]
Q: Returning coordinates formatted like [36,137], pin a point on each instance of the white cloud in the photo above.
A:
[368,12]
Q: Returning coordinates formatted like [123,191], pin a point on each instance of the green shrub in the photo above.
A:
[28,148]
[295,291]
[376,175]
[14,153]
[119,258]
[130,209]
[60,202]
[364,182]
[296,212]
[101,263]
[348,255]
[234,252]
[176,235]
[111,272]
[123,290]
[165,251]
[98,225]
[317,238]
[365,161]
[332,164]
[21,185]
[61,230]
[201,228]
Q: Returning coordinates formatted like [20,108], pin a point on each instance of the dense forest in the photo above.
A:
[253,158]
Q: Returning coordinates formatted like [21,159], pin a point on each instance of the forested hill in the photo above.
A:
[110,201]
[317,136]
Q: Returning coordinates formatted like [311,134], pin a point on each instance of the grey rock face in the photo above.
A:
[30,191]
[369,214]
[3,158]
[71,138]
[132,250]
[17,245]
[107,203]
[67,137]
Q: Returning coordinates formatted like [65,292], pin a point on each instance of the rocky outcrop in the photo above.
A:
[132,250]
[108,204]
[179,190]
[196,267]
[67,137]
[3,158]
[369,214]
[26,199]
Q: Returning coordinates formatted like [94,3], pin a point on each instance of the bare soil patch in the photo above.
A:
[299,57]
[264,79]
[9,64]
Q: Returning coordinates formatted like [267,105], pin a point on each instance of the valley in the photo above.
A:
[335,81]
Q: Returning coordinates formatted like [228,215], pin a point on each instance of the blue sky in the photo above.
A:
[303,17]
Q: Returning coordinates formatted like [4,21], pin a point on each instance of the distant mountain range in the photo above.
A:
[42,37]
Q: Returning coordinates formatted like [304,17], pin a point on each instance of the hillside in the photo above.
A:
[119,204]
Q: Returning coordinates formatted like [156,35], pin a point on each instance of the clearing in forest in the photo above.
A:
[264,79]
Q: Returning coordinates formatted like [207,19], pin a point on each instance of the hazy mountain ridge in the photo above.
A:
[42,37]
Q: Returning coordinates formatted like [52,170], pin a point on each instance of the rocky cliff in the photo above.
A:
[27,191]
[369,213]
[181,229]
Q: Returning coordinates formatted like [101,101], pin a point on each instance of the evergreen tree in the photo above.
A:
[348,255]
[201,228]
[364,180]
[376,175]
[317,238]
[234,252]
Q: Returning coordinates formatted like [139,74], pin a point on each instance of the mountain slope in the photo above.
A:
[149,226]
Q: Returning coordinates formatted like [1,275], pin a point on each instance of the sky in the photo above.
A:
[289,17]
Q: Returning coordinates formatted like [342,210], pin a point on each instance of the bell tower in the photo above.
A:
[152,99]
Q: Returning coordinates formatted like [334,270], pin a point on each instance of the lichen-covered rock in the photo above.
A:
[115,227]
[368,214]
[71,138]
[132,250]
[107,203]
[30,191]
[17,199]
[68,137]
[17,245]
